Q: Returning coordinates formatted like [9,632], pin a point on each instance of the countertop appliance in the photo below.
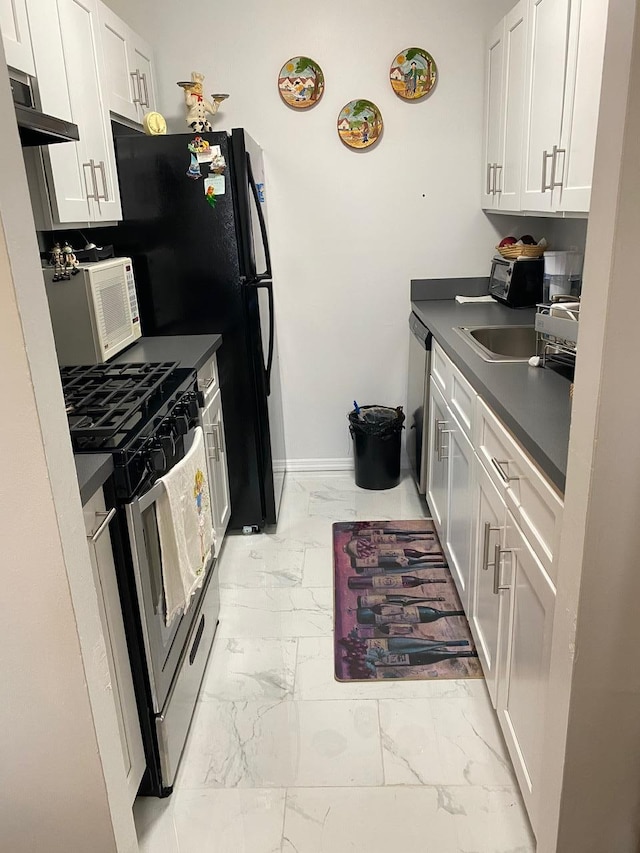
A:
[202,269]
[517,283]
[418,400]
[94,313]
[144,415]
[34,126]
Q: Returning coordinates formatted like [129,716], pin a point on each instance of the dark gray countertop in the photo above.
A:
[93,470]
[533,403]
[190,350]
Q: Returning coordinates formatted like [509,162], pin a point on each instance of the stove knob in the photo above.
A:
[181,424]
[191,408]
[167,443]
[157,459]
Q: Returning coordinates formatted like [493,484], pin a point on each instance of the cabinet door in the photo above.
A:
[120,83]
[117,657]
[494,106]
[525,648]
[460,520]
[437,463]
[14,24]
[486,611]
[509,173]
[581,106]
[81,176]
[213,426]
[547,24]
[141,59]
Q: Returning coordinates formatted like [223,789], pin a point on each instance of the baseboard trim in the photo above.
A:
[311,465]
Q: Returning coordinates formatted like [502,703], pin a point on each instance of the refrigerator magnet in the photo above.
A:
[214,187]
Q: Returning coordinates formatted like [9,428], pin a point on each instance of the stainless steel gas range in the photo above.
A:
[145,415]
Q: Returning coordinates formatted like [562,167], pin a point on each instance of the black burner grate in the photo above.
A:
[107,402]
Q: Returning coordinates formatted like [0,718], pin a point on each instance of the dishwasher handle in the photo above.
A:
[420,331]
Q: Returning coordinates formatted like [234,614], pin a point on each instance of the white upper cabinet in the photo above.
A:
[16,39]
[546,66]
[81,178]
[128,64]
[581,107]
[494,95]
[509,173]
[541,119]
[506,63]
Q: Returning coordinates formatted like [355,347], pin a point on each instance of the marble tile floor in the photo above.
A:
[281,758]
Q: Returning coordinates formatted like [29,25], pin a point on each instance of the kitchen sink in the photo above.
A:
[501,343]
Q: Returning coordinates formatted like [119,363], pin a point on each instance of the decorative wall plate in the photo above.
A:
[301,82]
[413,73]
[360,124]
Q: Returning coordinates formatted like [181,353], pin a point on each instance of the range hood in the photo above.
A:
[35,127]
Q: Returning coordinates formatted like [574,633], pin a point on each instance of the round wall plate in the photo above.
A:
[301,82]
[360,124]
[413,74]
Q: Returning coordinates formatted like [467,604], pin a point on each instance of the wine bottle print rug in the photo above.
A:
[397,610]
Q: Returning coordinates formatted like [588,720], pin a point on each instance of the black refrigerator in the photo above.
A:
[203,268]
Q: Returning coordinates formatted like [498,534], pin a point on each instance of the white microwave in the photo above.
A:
[95,312]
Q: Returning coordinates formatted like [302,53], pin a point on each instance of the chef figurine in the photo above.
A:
[71,265]
[56,260]
[197,105]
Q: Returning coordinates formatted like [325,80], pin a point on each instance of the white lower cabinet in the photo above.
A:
[213,426]
[486,611]
[499,520]
[460,521]
[117,656]
[528,596]
[437,463]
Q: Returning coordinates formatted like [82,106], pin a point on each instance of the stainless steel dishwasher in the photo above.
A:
[418,399]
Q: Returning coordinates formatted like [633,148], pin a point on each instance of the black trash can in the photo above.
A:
[377,435]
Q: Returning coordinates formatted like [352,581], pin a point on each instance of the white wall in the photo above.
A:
[59,738]
[348,230]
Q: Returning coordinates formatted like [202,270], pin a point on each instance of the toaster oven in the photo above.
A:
[517,283]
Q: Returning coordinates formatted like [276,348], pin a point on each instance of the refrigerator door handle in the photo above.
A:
[266,275]
[268,286]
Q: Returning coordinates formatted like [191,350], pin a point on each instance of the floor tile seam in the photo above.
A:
[435,786]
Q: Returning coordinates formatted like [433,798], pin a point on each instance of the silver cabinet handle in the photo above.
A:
[137,87]
[545,157]
[439,425]
[489,173]
[497,562]
[103,174]
[488,530]
[91,166]
[497,464]
[210,382]
[499,170]
[442,448]
[554,166]
[219,443]
[213,434]
[143,78]
[106,520]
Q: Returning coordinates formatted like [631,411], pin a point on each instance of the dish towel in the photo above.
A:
[471,299]
[185,527]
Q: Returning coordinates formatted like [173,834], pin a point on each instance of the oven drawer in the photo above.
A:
[532,500]
[172,725]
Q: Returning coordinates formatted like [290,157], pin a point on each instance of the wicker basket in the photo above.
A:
[515,251]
